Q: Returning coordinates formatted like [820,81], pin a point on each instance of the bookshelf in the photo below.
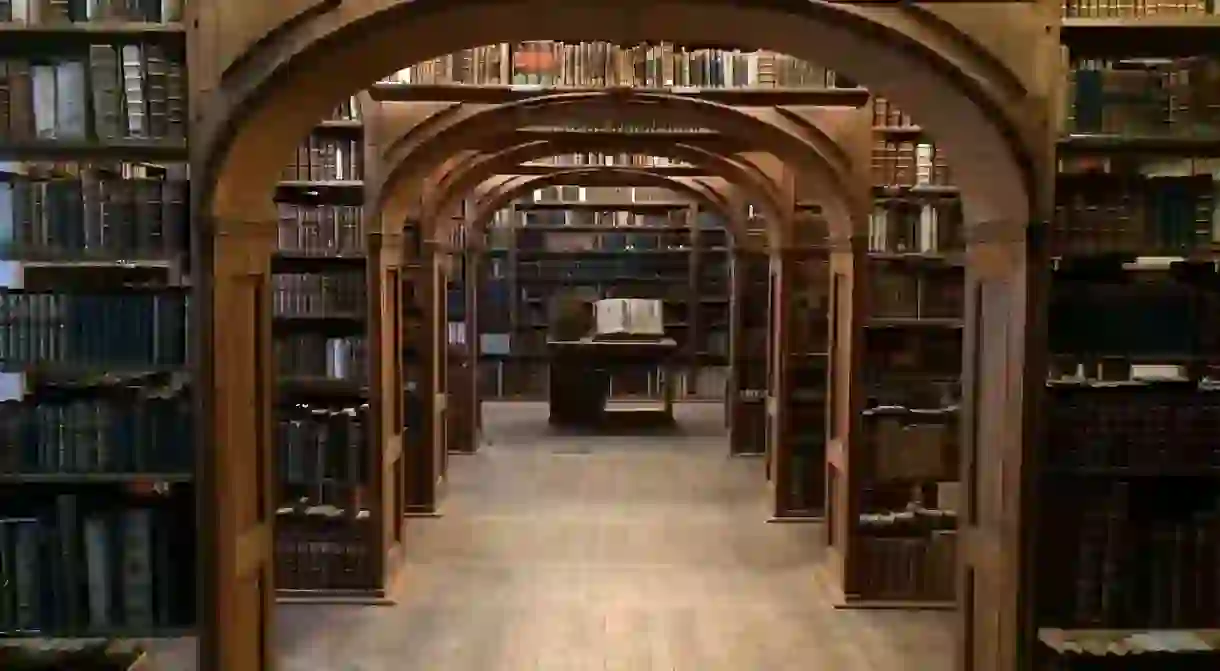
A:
[332,535]
[1123,517]
[898,307]
[629,242]
[98,459]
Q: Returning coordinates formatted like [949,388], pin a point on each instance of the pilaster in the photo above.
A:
[237,486]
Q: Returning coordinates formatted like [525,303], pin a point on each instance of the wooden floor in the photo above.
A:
[560,553]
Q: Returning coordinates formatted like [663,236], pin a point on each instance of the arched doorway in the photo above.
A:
[264,98]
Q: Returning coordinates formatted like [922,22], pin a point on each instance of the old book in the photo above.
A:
[70,103]
[133,91]
[106,94]
[157,93]
[44,100]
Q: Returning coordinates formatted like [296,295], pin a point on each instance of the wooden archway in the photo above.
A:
[263,73]
[418,155]
[970,76]
[464,177]
[494,194]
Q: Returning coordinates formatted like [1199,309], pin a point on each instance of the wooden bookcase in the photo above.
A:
[893,457]
[572,243]
[332,533]
[98,477]
[1123,507]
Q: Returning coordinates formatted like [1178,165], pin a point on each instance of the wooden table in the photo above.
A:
[580,372]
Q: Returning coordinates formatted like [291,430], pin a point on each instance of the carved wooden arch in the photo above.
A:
[712,188]
[466,177]
[804,145]
[497,192]
[273,69]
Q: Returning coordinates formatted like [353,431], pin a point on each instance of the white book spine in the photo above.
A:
[70,100]
[133,90]
[44,100]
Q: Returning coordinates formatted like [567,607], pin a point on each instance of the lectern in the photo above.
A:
[628,332]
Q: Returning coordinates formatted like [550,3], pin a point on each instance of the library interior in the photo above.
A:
[652,335]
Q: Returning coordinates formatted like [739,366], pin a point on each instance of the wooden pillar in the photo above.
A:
[1007,280]
[463,406]
[777,373]
[475,254]
[237,587]
[748,375]
[386,404]
[845,445]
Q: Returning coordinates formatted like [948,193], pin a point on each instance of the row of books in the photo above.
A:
[1135,566]
[309,355]
[627,128]
[597,64]
[1140,650]
[1095,9]
[934,294]
[348,110]
[915,228]
[887,115]
[1097,214]
[909,164]
[94,217]
[323,158]
[122,331]
[603,159]
[131,91]
[1133,427]
[336,293]
[911,569]
[50,12]
[75,566]
[138,432]
[1139,319]
[323,547]
[322,445]
[321,230]
[1148,97]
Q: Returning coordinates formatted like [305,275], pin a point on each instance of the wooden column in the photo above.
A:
[845,445]
[777,373]
[1007,280]
[385,253]
[462,409]
[236,588]
[475,254]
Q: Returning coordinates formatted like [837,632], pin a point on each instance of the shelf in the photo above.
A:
[532,168]
[1161,35]
[151,151]
[932,259]
[24,39]
[638,207]
[898,130]
[1102,143]
[499,94]
[94,478]
[341,124]
[915,322]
